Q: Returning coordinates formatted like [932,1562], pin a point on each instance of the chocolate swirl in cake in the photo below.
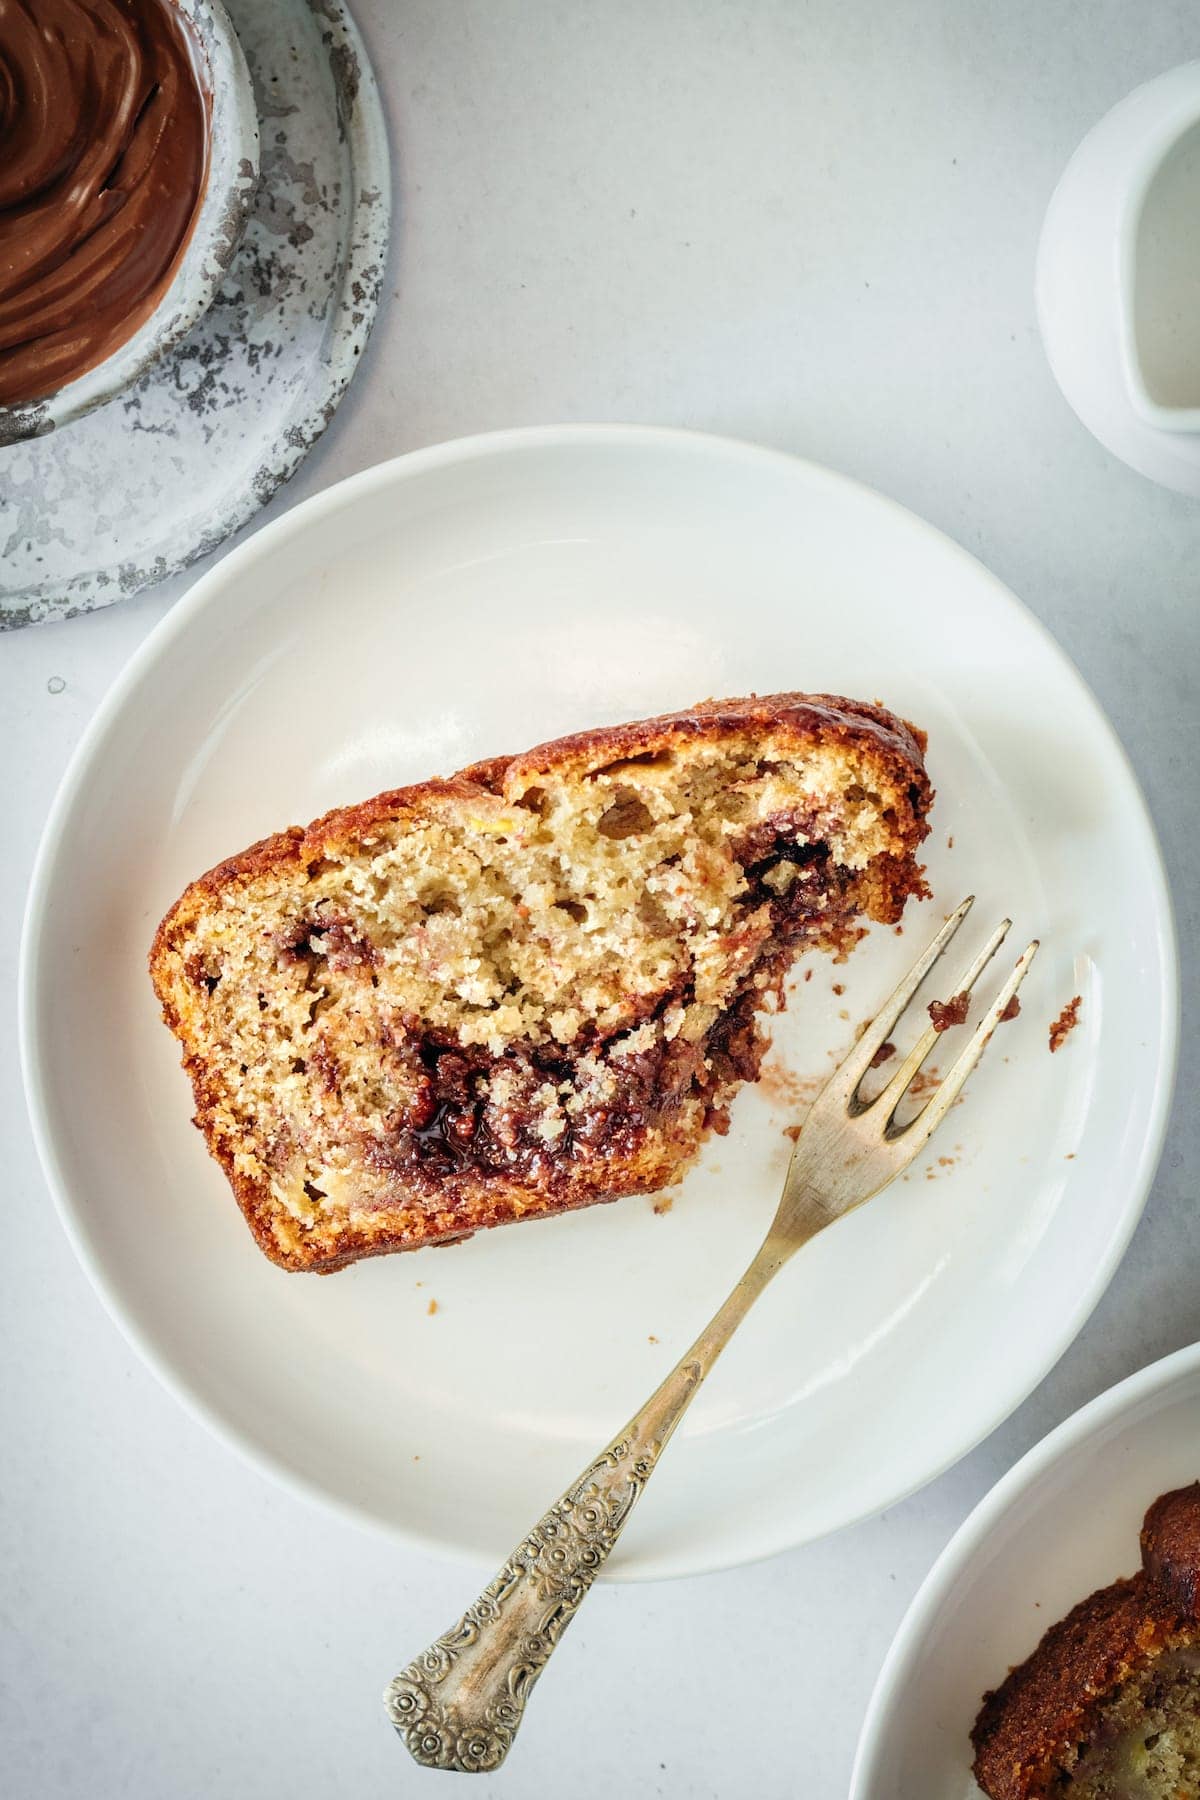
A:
[104,128]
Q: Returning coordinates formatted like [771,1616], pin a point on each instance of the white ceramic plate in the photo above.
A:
[478,597]
[1062,1523]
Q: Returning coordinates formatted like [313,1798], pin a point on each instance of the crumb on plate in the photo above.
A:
[1065,1023]
[945,1013]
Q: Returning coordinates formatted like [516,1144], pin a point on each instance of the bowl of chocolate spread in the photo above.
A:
[128,164]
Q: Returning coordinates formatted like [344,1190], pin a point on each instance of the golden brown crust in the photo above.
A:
[1171,1547]
[827,716]
[1030,1729]
[794,720]
[899,745]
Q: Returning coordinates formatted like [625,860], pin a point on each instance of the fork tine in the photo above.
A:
[922,1128]
[849,1073]
[890,1095]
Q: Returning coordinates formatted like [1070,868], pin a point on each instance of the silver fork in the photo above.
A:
[459,1704]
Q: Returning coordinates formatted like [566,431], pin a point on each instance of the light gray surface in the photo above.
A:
[809,224]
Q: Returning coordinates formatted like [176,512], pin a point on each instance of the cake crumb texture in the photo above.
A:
[533,985]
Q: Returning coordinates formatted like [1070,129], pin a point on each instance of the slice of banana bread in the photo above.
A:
[1171,1547]
[1108,1705]
[534,985]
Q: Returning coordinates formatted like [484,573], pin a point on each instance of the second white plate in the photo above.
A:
[475,598]
[1062,1523]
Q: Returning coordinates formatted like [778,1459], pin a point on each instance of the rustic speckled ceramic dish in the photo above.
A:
[228,194]
[172,466]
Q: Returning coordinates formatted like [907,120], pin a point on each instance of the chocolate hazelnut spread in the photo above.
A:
[103,159]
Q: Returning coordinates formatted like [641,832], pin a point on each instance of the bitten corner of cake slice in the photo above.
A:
[534,985]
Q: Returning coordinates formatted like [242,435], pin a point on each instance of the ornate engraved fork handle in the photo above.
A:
[458,1706]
